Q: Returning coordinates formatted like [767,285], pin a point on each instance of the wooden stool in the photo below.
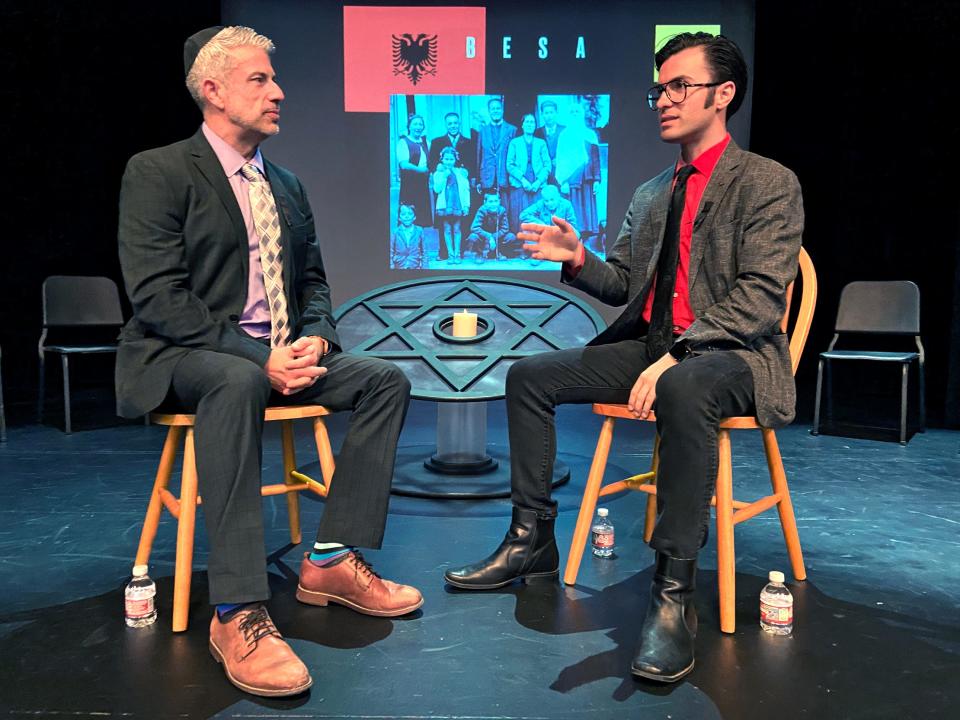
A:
[184,508]
[729,511]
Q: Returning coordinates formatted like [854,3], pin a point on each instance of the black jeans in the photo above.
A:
[228,394]
[692,397]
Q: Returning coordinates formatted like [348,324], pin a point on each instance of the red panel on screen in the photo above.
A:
[411,51]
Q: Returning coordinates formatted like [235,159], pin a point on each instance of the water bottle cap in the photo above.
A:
[139,570]
[776,576]
[602,512]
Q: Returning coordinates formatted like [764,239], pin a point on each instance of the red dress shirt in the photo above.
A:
[704,163]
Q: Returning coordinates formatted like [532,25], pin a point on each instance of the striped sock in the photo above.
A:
[325,552]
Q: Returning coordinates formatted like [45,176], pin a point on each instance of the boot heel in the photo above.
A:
[541,578]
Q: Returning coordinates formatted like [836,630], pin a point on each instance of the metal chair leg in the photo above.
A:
[828,391]
[816,407]
[904,367]
[41,389]
[923,396]
[65,364]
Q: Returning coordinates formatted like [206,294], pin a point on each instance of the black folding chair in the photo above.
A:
[890,308]
[81,303]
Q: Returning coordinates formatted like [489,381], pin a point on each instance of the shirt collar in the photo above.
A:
[706,161]
[229,158]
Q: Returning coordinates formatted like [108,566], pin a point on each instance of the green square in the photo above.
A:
[662,33]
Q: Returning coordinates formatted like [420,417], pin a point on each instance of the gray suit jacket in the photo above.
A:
[746,241]
[184,255]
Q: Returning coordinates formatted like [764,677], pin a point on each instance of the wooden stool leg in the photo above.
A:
[289,465]
[185,530]
[155,508]
[788,522]
[324,451]
[726,560]
[589,503]
[650,519]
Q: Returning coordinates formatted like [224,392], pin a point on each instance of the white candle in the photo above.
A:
[464,324]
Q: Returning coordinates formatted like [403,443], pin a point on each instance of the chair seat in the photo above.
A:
[870,355]
[272,414]
[70,349]
[621,411]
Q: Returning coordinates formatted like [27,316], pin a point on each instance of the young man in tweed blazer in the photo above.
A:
[714,349]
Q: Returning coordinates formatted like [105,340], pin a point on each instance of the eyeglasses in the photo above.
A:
[676,91]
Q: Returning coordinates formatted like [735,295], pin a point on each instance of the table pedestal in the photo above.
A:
[461,440]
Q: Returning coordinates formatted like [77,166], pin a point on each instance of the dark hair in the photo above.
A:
[723,57]
[495,98]
[449,150]
[548,103]
[451,114]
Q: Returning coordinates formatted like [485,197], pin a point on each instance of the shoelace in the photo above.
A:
[362,564]
[256,625]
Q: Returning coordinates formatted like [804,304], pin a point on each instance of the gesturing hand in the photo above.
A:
[644,391]
[557,242]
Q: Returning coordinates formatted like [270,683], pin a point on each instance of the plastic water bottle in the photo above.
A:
[776,606]
[602,536]
[139,610]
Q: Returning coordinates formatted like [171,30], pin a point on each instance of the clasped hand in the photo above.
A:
[294,367]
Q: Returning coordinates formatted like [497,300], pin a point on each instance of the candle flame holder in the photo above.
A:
[443,330]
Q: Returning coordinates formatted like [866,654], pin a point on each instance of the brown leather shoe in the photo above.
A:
[255,656]
[349,580]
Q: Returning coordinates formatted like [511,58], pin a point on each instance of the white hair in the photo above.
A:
[214,60]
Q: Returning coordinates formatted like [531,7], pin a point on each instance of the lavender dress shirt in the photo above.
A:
[255,319]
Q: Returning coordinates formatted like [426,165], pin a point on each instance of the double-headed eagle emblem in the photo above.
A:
[414,56]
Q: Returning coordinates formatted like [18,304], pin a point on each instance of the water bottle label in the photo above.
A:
[777,616]
[138,608]
[603,539]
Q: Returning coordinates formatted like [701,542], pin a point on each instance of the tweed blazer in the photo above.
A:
[184,255]
[743,255]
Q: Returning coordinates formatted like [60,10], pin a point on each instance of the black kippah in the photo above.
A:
[191,47]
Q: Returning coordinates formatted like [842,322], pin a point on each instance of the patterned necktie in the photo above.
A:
[660,335]
[267,223]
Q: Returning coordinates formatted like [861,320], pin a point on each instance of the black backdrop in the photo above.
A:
[856,97]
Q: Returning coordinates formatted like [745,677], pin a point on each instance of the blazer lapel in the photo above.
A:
[209,166]
[657,218]
[713,194]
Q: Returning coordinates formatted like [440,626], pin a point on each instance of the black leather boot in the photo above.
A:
[666,640]
[529,551]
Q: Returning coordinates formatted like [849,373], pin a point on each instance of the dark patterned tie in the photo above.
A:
[267,223]
[660,335]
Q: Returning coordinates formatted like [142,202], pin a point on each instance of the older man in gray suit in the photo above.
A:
[702,262]
[231,311]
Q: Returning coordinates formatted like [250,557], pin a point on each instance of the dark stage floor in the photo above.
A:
[877,632]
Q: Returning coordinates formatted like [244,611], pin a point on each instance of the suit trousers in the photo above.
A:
[692,398]
[228,395]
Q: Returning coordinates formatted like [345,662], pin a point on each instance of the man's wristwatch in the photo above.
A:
[680,351]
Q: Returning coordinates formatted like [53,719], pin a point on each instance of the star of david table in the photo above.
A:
[410,324]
